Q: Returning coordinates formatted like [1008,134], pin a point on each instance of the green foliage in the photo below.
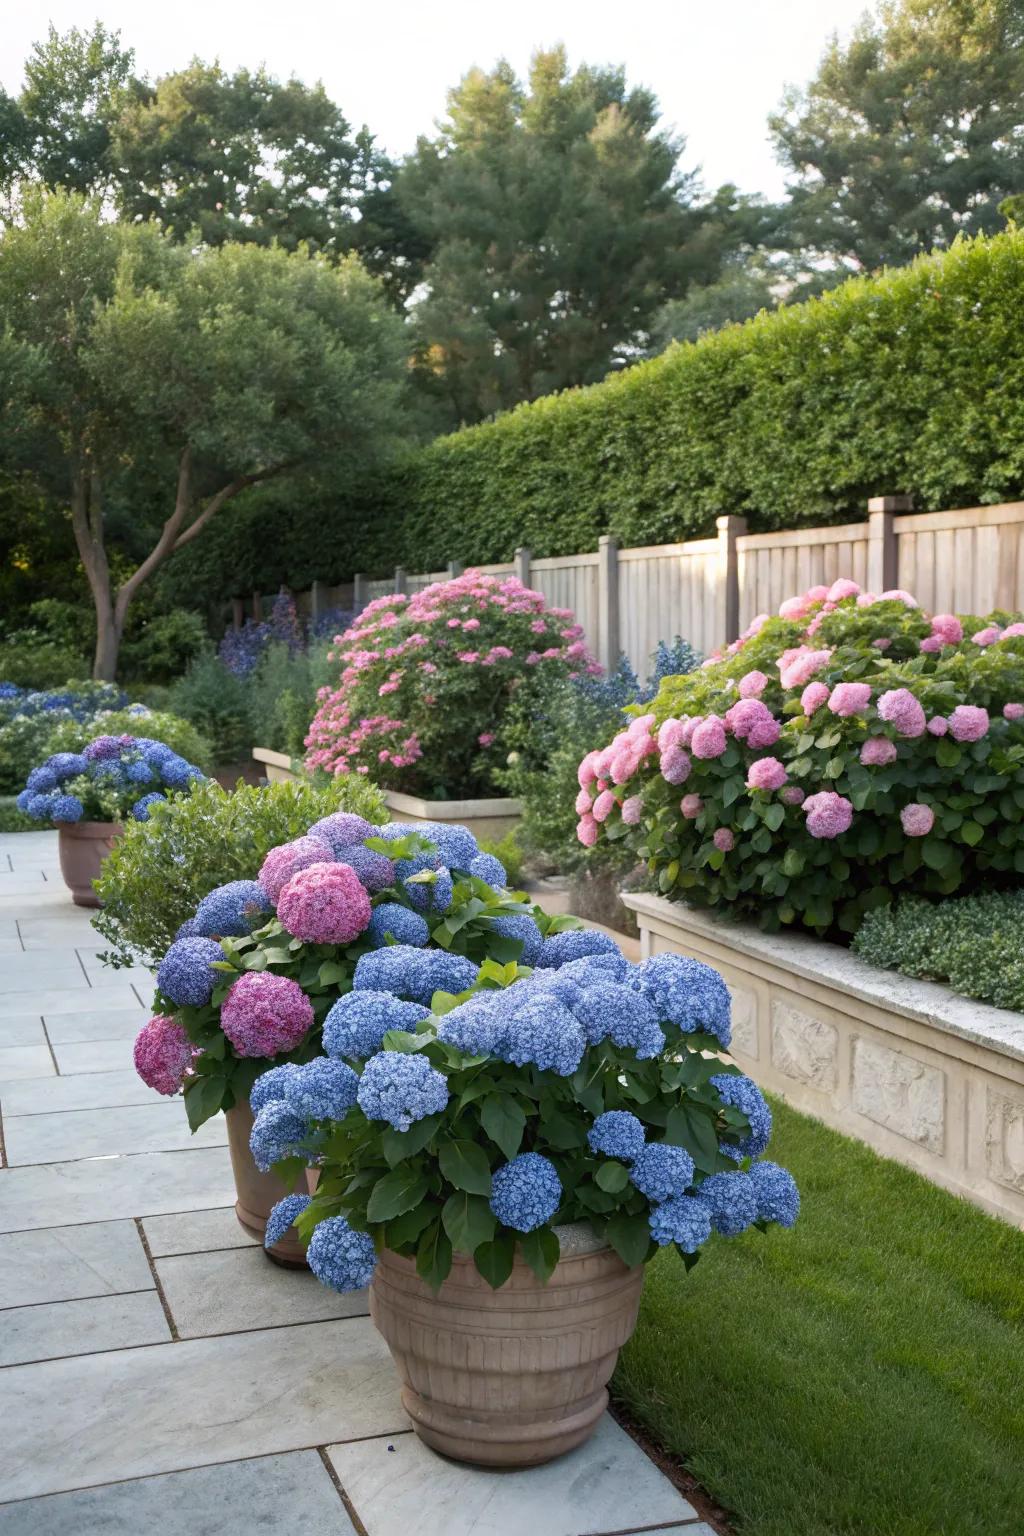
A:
[218,703]
[740,293]
[161,869]
[164,646]
[508,850]
[13,820]
[178,734]
[31,660]
[975,943]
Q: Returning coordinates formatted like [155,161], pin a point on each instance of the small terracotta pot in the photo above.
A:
[258,1193]
[83,845]
[512,1377]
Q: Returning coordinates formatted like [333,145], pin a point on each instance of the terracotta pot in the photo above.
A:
[258,1193]
[83,845]
[512,1377]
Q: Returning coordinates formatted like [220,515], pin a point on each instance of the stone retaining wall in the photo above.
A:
[922,1075]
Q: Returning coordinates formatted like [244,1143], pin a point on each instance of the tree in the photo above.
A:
[558,222]
[75,84]
[908,136]
[127,358]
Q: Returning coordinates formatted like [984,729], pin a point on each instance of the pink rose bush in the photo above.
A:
[851,747]
[427,681]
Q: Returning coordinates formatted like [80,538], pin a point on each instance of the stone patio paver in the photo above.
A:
[264,1402]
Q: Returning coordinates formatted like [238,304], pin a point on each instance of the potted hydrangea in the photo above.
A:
[246,986]
[422,704]
[86,796]
[501,1149]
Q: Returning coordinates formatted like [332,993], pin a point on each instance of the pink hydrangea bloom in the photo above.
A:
[850,699]
[866,600]
[764,733]
[587,831]
[604,805]
[882,643]
[899,708]
[987,636]
[1013,711]
[1013,630]
[689,724]
[163,1054]
[283,862]
[324,904]
[708,739]
[265,1013]
[624,765]
[742,717]
[584,802]
[631,809]
[766,773]
[691,806]
[752,685]
[917,820]
[842,588]
[938,725]
[931,644]
[947,629]
[877,751]
[723,839]
[670,734]
[897,594]
[792,795]
[675,765]
[968,722]
[798,666]
[586,773]
[796,607]
[813,697]
[828,814]
[641,725]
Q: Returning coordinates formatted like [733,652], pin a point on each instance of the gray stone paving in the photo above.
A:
[156,1372]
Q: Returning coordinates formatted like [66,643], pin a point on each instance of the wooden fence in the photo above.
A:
[707,590]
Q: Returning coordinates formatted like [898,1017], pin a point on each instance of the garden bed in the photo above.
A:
[925,1076]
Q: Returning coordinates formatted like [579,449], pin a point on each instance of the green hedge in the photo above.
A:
[975,943]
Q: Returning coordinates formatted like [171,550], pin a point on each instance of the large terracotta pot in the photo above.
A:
[512,1377]
[257,1192]
[83,845]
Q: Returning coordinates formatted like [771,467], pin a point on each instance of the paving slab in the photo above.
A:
[101,975]
[68,932]
[21,882]
[124,1131]
[95,1020]
[22,1028]
[22,1061]
[166,1407]
[111,1188]
[65,1263]
[84,1057]
[241,1288]
[25,972]
[117,996]
[285,1494]
[58,1329]
[83,1090]
[398,1486]
[196,1232]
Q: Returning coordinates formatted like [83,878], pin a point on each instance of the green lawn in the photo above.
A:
[860,1375]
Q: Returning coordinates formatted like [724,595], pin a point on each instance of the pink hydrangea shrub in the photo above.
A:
[324,904]
[283,862]
[691,806]
[708,740]
[899,708]
[968,722]
[917,820]
[752,685]
[631,810]
[723,839]
[828,814]
[850,698]
[877,751]
[766,773]
[264,1014]
[162,1054]
[813,697]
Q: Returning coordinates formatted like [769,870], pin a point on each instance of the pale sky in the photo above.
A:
[718,67]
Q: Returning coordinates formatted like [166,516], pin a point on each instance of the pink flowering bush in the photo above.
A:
[428,680]
[846,750]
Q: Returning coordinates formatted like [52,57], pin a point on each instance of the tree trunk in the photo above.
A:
[108,643]
[87,522]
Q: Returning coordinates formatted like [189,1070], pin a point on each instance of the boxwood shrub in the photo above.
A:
[975,943]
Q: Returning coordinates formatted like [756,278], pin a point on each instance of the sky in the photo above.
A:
[718,67]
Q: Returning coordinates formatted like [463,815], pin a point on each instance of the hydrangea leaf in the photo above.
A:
[465,1165]
[504,1121]
[398,1146]
[396,1192]
[612,1177]
[408,1227]
[495,1259]
[468,1221]
[204,1096]
[630,1236]
[542,1251]
[434,1256]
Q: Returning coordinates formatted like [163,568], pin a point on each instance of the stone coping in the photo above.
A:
[998,1029]
[276,759]
[449,810]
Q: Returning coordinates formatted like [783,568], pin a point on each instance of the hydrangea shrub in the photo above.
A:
[112,778]
[427,682]
[582,1089]
[849,748]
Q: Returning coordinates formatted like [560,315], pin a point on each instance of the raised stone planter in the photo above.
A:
[277,766]
[921,1074]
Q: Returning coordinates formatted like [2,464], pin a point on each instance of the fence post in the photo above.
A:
[883,554]
[521,561]
[316,599]
[237,612]
[257,607]
[727,615]
[608,601]
[359,598]
[455,568]
[401,581]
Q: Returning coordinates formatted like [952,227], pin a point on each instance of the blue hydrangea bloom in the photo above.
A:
[778,1198]
[544,1032]
[340,830]
[375,870]
[140,810]
[358,1022]
[282,1217]
[456,844]
[477,1026]
[526,1192]
[412,973]
[732,1201]
[391,923]
[269,1086]
[681,1220]
[574,944]
[487,867]
[41,779]
[609,1009]
[185,974]
[591,970]
[400,1089]
[176,773]
[232,910]
[662,1171]
[433,896]
[321,1090]
[744,1094]
[277,1132]
[523,928]
[22,801]
[38,805]
[188,930]
[139,772]
[66,808]
[67,765]
[617,1133]
[108,772]
[341,1259]
[687,993]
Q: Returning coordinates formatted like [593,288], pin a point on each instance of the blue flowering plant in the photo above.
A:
[111,779]
[473,1107]
[260,967]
